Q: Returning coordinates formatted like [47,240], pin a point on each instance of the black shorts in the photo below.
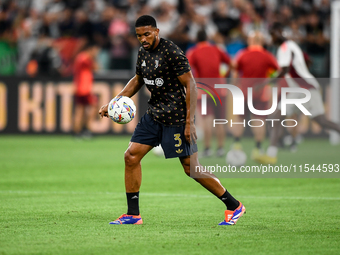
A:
[85,99]
[171,138]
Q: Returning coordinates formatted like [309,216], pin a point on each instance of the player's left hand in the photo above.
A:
[103,111]
[190,133]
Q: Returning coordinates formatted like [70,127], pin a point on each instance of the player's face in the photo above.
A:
[148,36]
[95,51]
[276,35]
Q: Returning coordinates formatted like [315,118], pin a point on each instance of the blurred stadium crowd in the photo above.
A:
[42,37]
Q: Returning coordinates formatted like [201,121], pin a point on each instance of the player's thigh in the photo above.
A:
[136,151]
[174,143]
[147,131]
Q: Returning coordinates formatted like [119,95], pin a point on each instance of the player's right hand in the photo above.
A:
[103,111]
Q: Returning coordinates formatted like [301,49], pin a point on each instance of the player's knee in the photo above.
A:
[130,159]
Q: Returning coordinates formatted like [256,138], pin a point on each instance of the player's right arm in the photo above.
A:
[131,88]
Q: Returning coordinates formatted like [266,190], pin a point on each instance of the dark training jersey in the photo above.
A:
[160,69]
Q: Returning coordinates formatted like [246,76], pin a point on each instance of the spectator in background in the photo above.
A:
[180,34]
[85,101]
[204,7]
[66,24]
[119,33]
[101,28]
[224,22]
[94,10]
[8,38]
[315,41]
[29,23]
[166,16]
[227,24]
[324,10]
[45,59]
[298,8]
[50,24]
[199,21]
[8,49]
[294,31]
[54,7]
[82,26]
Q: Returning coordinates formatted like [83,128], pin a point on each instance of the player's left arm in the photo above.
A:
[187,80]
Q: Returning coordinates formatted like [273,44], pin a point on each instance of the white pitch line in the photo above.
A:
[150,194]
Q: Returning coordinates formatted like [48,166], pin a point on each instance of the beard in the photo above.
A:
[152,45]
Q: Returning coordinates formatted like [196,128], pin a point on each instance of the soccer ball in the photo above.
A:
[158,151]
[236,158]
[122,109]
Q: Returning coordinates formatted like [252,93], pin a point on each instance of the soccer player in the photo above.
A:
[293,67]
[205,60]
[85,101]
[252,63]
[169,120]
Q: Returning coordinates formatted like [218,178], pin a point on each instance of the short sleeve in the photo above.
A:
[138,63]
[178,61]
[284,55]
[224,56]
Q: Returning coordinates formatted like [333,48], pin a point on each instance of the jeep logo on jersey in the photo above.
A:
[159,82]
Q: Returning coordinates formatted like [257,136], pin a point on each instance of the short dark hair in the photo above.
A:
[89,45]
[277,26]
[201,35]
[145,20]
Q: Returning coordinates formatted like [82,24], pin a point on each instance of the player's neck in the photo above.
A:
[158,39]
[255,47]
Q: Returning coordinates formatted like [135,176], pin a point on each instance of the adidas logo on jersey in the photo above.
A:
[179,151]
[143,64]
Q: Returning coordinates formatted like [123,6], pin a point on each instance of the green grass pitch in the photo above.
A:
[58,195]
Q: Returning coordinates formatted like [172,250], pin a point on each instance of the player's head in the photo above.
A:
[201,35]
[255,38]
[276,33]
[147,32]
[91,48]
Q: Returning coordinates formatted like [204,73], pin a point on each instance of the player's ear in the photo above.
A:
[157,31]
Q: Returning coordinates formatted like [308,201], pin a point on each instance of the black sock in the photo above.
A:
[258,145]
[237,139]
[133,203]
[229,201]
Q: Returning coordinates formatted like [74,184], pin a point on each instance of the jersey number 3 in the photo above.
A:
[178,139]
